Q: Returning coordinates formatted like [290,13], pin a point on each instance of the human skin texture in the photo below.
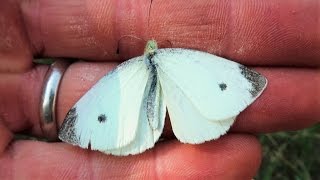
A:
[280,39]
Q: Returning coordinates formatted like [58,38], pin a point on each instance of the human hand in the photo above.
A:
[269,34]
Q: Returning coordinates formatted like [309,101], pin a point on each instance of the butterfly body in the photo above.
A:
[203,94]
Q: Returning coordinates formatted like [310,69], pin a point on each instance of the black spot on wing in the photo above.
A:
[257,81]
[102,118]
[222,86]
[67,130]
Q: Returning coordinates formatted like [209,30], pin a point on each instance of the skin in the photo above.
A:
[281,38]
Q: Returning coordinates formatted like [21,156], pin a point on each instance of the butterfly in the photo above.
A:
[124,112]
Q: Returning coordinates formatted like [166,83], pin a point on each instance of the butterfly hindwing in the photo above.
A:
[151,125]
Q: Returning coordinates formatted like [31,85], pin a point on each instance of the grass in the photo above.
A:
[291,155]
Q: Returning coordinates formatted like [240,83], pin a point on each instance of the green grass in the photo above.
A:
[291,155]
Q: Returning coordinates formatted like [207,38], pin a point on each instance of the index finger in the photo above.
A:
[250,32]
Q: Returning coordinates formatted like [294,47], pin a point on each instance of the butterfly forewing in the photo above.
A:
[188,124]
[107,116]
[217,88]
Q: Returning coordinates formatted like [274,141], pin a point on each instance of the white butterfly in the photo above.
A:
[124,112]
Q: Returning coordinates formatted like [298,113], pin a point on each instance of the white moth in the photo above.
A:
[124,112]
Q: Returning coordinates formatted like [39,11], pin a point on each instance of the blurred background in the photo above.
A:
[291,155]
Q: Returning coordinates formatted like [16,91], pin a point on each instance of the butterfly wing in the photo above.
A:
[150,126]
[107,116]
[188,124]
[204,93]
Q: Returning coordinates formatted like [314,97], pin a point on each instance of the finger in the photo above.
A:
[214,160]
[289,102]
[251,32]
[5,137]
[20,98]
[15,50]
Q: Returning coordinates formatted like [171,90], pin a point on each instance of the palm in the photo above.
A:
[267,36]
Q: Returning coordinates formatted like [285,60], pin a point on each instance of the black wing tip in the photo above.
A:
[67,130]
[257,80]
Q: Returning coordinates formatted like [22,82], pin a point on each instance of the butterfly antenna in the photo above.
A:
[132,36]
[149,13]
[171,45]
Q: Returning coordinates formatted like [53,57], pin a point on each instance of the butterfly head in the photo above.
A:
[151,47]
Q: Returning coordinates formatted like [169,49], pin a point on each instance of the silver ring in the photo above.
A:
[50,88]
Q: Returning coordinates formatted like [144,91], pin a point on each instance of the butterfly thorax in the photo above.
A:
[149,52]
[151,47]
